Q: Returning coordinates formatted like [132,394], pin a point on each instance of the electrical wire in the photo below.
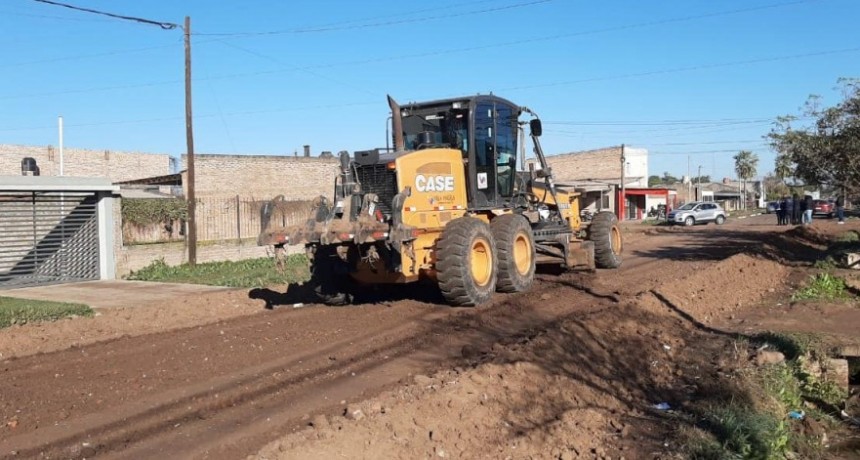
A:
[163,25]
[684,69]
[310,72]
[373,24]
[87,56]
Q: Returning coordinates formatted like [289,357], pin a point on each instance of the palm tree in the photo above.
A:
[783,167]
[745,166]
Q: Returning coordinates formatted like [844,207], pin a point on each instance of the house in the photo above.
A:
[610,178]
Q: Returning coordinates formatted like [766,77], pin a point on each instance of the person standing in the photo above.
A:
[782,211]
[795,209]
[808,206]
[840,208]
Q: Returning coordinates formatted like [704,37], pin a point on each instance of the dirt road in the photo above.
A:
[225,389]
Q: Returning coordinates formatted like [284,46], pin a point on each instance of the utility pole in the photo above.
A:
[623,201]
[699,184]
[60,128]
[689,180]
[189,141]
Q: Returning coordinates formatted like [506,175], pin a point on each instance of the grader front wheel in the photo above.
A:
[606,235]
[516,253]
[466,262]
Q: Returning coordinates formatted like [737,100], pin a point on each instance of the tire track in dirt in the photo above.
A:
[230,411]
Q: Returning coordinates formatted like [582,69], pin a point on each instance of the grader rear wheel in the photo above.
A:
[466,262]
[330,279]
[606,235]
[516,253]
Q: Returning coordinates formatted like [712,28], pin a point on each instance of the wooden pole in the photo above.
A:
[189,141]
[623,202]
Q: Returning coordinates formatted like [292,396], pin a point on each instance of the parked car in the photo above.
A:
[772,206]
[823,208]
[698,212]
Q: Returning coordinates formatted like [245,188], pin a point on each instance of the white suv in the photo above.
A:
[698,212]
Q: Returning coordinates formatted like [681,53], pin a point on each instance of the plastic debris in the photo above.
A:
[662,406]
[797,415]
[298,305]
[667,347]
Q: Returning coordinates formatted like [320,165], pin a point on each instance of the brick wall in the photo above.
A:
[131,258]
[264,177]
[601,165]
[115,165]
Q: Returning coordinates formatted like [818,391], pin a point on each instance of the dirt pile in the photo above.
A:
[719,289]
[586,388]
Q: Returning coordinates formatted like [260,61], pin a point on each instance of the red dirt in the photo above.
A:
[570,369]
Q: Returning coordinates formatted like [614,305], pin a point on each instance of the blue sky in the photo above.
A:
[685,79]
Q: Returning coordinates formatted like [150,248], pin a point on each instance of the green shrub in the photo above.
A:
[248,273]
[147,211]
[22,311]
[823,286]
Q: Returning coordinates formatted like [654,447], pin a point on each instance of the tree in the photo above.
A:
[783,167]
[669,179]
[826,151]
[745,167]
[654,180]
[775,187]
[701,180]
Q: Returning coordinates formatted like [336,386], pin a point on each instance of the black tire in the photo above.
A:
[689,221]
[466,265]
[330,278]
[515,250]
[720,220]
[608,244]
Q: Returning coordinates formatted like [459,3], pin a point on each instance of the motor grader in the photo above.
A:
[449,203]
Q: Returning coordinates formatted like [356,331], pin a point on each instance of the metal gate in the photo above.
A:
[48,238]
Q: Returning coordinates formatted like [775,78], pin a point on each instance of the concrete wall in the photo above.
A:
[262,177]
[602,165]
[114,165]
[132,258]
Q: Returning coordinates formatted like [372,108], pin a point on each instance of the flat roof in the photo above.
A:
[56,184]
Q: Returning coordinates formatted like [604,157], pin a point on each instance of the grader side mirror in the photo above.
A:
[535,127]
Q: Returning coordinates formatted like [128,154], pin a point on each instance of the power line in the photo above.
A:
[282,64]
[696,152]
[375,24]
[441,52]
[45,16]
[163,25]
[716,121]
[379,17]
[196,116]
[684,69]
[88,56]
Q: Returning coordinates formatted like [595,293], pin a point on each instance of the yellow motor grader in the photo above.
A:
[448,203]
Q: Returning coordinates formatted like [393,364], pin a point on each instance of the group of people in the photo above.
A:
[795,210]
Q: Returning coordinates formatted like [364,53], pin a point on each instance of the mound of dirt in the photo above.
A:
[809,233]
[718,290]
[585,388]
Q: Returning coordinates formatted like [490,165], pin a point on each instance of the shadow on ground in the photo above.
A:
[798,246]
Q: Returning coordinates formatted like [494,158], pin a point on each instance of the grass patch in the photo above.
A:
[251,273]
[22,311]
[745,433]
[823,286]
[801,350]
[753,422]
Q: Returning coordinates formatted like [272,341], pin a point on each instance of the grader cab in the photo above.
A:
[452,203]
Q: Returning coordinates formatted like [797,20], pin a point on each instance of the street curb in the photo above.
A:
[751,215]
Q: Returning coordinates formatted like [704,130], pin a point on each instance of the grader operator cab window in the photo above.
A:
[444,128]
